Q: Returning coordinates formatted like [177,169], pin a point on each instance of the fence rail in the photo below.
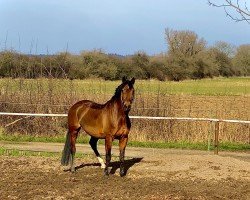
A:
[136,117]
[216,121]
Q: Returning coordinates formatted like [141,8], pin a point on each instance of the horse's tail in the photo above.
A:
[66,151]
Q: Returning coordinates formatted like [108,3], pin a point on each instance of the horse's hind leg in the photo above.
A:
[73,136]
[93,143]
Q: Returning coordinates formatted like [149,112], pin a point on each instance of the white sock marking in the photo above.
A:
[101,162]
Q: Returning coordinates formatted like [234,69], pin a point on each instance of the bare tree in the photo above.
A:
[226,48]
[183,43]
[237,10]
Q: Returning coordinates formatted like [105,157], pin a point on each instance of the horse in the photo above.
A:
[106,121]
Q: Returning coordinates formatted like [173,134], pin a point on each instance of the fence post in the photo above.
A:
[216,137]
[248,133]
[210,131]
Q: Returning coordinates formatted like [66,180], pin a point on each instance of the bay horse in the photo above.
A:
[107,121]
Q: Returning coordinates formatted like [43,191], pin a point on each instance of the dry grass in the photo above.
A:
[222,98]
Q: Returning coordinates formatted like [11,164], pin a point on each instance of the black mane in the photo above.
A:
[118,90]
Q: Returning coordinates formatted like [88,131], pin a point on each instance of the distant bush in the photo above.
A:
[187,58]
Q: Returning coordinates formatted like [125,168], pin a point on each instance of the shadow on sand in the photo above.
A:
[114,165]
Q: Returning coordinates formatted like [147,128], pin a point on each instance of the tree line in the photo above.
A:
[188,57]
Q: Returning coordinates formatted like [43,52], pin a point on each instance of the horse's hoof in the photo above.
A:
[122,173]
[106,172]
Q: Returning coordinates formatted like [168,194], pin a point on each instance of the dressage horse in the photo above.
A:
[107,121]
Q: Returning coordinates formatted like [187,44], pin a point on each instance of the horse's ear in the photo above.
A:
[132,81]
[124,79]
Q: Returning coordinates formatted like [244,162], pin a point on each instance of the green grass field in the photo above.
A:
[222,98]
[210,87]
[228,146]
[27,153]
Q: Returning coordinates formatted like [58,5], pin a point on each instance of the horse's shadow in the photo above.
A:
[114,165]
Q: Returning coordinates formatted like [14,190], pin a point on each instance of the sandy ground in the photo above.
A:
[151,174]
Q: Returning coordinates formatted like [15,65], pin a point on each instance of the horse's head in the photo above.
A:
[127,93]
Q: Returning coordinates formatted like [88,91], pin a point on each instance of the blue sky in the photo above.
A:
[115,26]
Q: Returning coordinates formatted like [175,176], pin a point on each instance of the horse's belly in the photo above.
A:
[95,132]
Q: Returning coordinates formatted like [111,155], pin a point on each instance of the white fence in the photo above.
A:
[136,117]
[216,121]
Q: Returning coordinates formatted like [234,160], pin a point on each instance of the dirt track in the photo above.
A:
[152,174]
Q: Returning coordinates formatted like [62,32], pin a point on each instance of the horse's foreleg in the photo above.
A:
[108,146]
[73,137]
[122,145]
[93,143]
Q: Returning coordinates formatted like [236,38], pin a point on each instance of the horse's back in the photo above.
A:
[88,115]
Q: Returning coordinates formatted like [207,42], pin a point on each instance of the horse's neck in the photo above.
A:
[117,107]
